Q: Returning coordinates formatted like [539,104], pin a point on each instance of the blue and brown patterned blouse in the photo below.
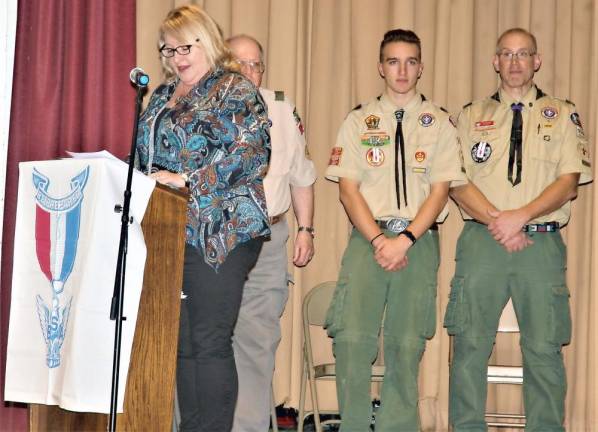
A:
[219,135]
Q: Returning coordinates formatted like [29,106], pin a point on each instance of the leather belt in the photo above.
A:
[275,219]
[398,225]
[542,227]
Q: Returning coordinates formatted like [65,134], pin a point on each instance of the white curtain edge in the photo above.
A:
[8,33]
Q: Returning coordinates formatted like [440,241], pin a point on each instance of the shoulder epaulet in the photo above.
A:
[443,109]
[279,95]
[569,102]
[466,105]
[356,107]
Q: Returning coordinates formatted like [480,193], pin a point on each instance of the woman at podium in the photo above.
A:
[206,127]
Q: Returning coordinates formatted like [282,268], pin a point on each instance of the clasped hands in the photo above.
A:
[506,228]
[391,253]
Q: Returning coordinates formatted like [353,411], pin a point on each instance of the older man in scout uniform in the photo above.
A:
[525,153]
[290,178]
[395,159]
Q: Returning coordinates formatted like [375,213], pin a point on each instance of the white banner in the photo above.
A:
[61,339]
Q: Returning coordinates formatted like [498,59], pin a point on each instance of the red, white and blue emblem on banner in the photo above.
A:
[57,222]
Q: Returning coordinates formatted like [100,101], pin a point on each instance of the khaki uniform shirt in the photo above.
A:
[289,161]
[365,152]
[553,144]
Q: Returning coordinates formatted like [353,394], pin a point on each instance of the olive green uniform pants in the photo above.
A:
[486,277]
[364,290]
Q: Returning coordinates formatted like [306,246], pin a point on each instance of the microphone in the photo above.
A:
[139,77]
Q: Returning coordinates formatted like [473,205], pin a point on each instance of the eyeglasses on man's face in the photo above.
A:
[519,55]
[257,67]
[169,52]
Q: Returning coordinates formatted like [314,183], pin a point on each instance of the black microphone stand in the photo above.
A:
[116,308]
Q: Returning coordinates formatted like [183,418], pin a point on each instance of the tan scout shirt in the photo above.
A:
[289,162]
[553,144]
[365,152]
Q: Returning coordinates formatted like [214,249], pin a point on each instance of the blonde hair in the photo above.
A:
[193,25]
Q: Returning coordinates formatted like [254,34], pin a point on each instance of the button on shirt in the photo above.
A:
[289,164]
[364,152]
[554,144]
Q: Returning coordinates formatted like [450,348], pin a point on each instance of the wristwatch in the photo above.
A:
[409,235]
[309,229]
[185,178]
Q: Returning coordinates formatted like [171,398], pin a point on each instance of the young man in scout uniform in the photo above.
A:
[395,159]
[525,153]
[290,179]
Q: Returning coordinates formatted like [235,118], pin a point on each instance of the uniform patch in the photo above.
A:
[375,156]
[420,156]
[578,127]
[583,152]
[419,170]
[550,113]
[335,156]
[546,137]
[371,139]
[298,121]
[481,152]
[372,121]
[426,119]
[484,124]
[307,155]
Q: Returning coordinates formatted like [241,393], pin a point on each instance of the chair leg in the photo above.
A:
[302,399]
[314,401]
[273,412]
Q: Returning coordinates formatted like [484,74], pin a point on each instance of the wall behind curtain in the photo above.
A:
[71,92]
[323,54]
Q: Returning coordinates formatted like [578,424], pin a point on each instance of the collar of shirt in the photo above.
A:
[412,106]
[528,98]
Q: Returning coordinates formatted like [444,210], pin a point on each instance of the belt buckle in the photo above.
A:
[397,225]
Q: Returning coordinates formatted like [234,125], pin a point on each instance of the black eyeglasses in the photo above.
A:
[181,49]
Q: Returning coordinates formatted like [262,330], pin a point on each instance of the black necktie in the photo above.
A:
[400,146]
[516,140]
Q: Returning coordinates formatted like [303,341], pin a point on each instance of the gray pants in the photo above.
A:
[257,332]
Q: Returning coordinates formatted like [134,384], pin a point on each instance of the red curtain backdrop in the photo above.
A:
[71,91]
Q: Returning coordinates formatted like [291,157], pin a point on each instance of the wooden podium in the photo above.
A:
[150,387]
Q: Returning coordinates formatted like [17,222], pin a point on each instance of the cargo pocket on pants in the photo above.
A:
[455,316]
[560,315]
[428,313]
[334,315]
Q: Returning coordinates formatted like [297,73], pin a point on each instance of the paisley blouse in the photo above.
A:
[219,136]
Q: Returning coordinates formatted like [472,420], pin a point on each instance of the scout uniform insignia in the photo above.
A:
[550,113]
[375,156]
[298,121]
[372,121]
[371,139]
[577,122]
[484,125]
[426,119]
[481,151]
[335,156]
[420,156]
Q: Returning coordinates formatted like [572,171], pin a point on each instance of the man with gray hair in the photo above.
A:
[290,179]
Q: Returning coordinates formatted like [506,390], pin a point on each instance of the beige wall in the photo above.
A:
[323,54]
